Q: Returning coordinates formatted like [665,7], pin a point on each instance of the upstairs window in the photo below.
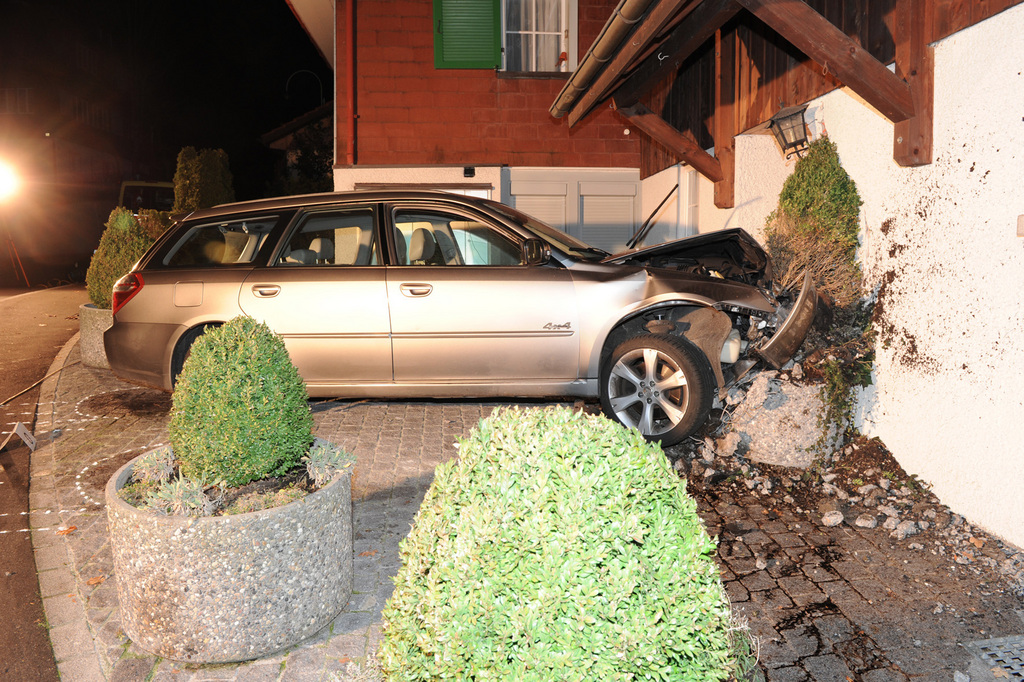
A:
[519,36]
[536,35]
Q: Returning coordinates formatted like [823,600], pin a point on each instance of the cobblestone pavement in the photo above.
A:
[825,604]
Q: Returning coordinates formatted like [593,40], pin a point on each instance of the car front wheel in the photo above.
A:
[658,384]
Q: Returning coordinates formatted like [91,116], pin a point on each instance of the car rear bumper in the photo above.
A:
[139,352]
[781,347]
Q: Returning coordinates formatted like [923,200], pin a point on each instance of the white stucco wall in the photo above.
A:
[760,172]
[948,398]
[345,179]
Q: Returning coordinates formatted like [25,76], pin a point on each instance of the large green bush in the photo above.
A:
[240,410]
[202,179]
[815,227]
[814,230]
[123,243]
[820,196]
[558,546]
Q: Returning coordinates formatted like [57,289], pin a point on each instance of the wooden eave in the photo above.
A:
[673,30]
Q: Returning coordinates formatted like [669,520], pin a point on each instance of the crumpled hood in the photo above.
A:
[733,254]
[713,290]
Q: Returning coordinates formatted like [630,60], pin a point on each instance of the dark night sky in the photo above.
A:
[171,73]
[201,73]
[215,72]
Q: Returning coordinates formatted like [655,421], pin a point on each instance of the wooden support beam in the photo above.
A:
[915,63]
[816,37]
[683,145]
[724,130]
[699,26]
[639,40]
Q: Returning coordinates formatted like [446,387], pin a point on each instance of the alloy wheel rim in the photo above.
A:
[648,391]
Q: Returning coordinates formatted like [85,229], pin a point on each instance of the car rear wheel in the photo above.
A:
[658,384]
[183,348]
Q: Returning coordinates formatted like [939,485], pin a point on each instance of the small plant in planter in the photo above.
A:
[240,410]
[239,416]
[815,229]
[236,540]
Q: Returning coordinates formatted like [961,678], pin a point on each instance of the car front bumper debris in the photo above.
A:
[781,347]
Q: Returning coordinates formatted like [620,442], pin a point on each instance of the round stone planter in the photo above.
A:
[92,322]
[231,588]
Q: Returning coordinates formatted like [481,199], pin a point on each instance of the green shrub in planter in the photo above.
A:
[123,243]
[240,410]
[559,546]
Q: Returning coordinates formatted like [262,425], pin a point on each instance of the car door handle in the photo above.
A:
[265,290]
[416,290]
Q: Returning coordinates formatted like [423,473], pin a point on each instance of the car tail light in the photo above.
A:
[124,289]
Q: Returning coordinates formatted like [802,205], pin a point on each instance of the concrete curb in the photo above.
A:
[73,640]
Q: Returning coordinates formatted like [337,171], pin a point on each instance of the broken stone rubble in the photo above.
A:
[775,421]
[761,425]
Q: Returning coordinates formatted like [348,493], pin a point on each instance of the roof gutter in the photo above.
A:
[621,23]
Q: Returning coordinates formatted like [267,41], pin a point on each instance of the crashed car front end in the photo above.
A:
[763,323]
[778,349]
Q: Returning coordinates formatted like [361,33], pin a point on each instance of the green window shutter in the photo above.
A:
[467,34]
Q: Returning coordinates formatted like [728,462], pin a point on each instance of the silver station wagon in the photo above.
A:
[428,294]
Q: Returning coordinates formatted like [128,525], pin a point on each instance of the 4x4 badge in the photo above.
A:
[553,325]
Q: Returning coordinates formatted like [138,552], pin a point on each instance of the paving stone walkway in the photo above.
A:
[825,604]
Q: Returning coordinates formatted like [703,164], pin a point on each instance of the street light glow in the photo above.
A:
[8,181]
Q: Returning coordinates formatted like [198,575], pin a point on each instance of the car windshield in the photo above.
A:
[563,242]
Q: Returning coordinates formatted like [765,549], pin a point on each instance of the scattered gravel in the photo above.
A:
[860,484]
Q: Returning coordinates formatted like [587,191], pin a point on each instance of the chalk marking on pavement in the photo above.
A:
[80,510]
[78,478]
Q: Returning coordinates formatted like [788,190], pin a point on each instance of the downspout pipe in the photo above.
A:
[350,82]
[619,25]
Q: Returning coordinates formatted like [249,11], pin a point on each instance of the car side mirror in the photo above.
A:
[536,252]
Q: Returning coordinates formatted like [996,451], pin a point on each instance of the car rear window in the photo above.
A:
[220,243]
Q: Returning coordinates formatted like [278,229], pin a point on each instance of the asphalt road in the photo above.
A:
[36,325]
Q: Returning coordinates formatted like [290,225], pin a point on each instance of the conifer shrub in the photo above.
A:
[822,196]
[559,546]
[814,230]
[202,179]
[240,410]
[815,227]
[122,244]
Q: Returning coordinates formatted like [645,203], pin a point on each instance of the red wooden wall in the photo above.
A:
[410,113]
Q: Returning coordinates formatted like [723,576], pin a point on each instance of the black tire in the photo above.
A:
[182,349]
[658,384]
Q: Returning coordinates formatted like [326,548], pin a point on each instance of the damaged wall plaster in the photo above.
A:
[939,245]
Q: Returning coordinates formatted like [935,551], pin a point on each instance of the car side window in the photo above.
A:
[438,238]
[221,243]
[329,238]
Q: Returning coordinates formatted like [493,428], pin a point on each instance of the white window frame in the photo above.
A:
[568,38]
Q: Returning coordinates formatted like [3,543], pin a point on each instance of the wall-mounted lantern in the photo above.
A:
[787,125]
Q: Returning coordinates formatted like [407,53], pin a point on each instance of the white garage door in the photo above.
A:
[599,206]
